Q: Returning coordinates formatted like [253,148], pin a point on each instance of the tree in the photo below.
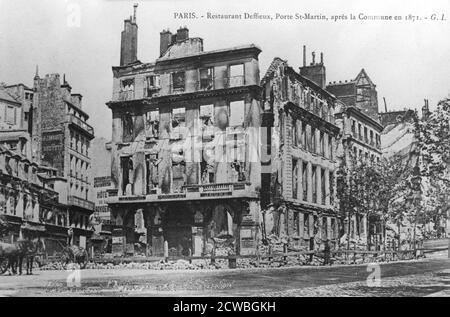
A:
[376,190]
[435,143]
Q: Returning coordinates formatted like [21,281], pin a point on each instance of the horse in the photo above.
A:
[30,248]
[10,252]
[16,252]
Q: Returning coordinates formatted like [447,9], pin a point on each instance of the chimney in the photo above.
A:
[165,41]
[182,34]
[66,88]
[128,47]
[314,72]
[304,55]
[425,110]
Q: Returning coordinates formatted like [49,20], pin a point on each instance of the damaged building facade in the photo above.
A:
[184,146]
[300,181]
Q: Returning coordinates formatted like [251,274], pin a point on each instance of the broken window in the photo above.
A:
[306,224]
[294,132]
[237,110]
[330,147]
[127,89]
[178,81]
[126,165]
[151,163]
[294,178]
[297,223]
[152,85]
[303,137]
[11,115]
[178,122]
[153,81]
[322,143]
[314,184]
[236,75]
[305,181]
[207,120]
[206,78]
[322,179]
[325,228]
[152,123]
[313,147]
[128,130]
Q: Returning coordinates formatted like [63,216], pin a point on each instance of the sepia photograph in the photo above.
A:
[224,154]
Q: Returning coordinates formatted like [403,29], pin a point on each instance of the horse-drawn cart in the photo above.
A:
[75,254]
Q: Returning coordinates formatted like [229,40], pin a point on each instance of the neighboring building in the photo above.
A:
[360,93]
[61,139]
[24,95]
[360,135]
[29,201]
[101,172]
[301,181]
[184,128]
[360,139]
[10,111]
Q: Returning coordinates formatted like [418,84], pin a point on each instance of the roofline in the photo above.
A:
[363,115]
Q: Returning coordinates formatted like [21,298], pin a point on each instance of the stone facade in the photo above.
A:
[184,147]
[61,140]
[302,158]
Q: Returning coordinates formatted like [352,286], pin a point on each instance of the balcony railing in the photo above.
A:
[80,202]
[220,190]
[80,123]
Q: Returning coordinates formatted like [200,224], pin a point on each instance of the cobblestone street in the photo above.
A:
[409,278]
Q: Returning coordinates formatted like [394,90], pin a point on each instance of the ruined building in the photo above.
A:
[61,140]
[360,93]
[184,146]
[302,160]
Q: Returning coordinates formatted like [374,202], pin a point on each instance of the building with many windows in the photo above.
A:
[299,191]
[184,145]
[61,140]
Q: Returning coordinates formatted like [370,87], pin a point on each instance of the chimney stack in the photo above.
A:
[128,46]
[182,34]
[165,41]
[304,55]
[315,71]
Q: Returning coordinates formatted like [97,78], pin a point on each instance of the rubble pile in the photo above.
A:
[159,265]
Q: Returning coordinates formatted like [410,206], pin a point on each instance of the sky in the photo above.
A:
[408,61]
